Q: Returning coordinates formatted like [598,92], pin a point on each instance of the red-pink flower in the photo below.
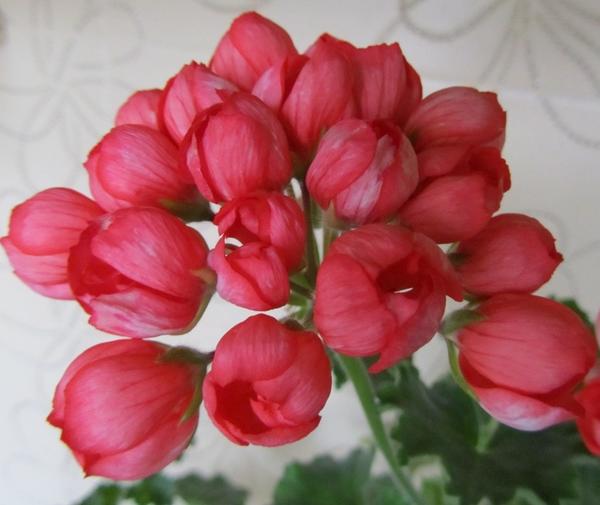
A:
[514,253]
[42,230]
[123,410]
[134,165]
[523,358]
[589,422]
[236,148]
[458,205]
[141,108]
[252,276]
[191,91]
[382,290]
[320,95]
[366,171]
[385,86]
[140,272]
[268,383]
[449,122]
[269,218]
[252,45]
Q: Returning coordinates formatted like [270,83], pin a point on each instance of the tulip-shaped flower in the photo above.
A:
[385,85]
[366,171]
[270,218]
[450,122]
[251,46]
[42,230]
[141,108]
[125,409]
[272,231]
[134,165]
[191,91]
[382,290]
[268,383]
[236,148]
[522,357]
[589,423]
[140,272]
[458,205]
[311,92]
[514,253]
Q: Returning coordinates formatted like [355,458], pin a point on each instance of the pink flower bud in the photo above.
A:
[382,290]
[269,218]
[512,254]
[523,359]
[253,276]
[236,148]
[42,230]
[139,272]
[589,423]
[320,96]
[268,383]
[449,122]
[459,205]
[123,411]
[385,85]
[191,91]
[141,108]
[252,44]
[366,171]
[134,165]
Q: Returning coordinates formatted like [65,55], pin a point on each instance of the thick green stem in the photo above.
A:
[359,376]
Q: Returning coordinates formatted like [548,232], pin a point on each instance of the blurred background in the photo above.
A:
[65,67]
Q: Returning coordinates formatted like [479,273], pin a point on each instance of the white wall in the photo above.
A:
[65,66]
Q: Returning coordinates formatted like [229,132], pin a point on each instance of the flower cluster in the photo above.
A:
[270,145]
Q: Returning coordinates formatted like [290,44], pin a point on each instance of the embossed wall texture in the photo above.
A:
[65,66]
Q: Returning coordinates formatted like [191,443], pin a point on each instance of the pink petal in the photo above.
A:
[236,57]
[141,108]
[191,91]
[150,456]
[51,221]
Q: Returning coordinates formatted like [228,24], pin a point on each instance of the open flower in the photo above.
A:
[267,383]
[140,272]
[382,290]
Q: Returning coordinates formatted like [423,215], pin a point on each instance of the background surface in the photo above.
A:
[66,65]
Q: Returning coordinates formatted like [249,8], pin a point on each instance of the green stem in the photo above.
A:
[359,376]
[311,260]
[301,290]
[329,235]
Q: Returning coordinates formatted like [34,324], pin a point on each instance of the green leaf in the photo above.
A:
[196,490]
[162,490]
[155,490]
[325,481]
[105,494]
[434,493]
[381,491]
[587,481]
[482,458]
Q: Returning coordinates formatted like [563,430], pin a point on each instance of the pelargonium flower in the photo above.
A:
[523,358]
[268,383]
[124,410]
[382,290]
[140,272]
[42,231]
